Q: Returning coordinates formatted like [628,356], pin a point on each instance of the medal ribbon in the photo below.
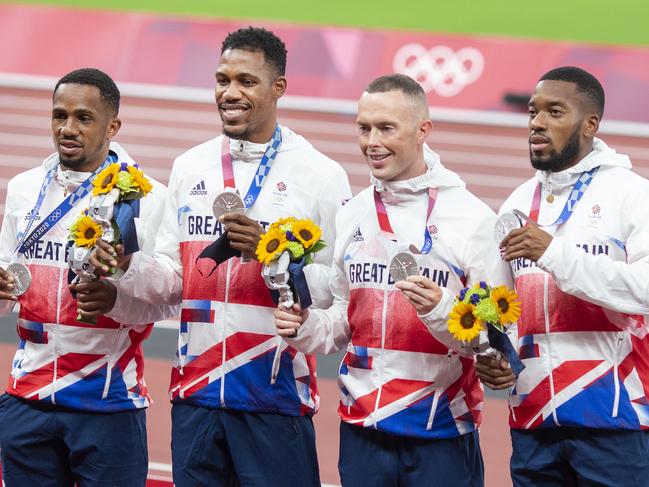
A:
[578,190]
[384,220]
[386,229]
[262,170]
[28,241]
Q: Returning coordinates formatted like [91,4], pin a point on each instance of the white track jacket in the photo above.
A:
[582,333]
[59,360]
[227,340]
[400,373]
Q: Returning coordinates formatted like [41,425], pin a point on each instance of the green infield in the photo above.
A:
[598,21]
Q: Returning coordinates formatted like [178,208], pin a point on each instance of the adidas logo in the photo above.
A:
[199,189]
[358,236]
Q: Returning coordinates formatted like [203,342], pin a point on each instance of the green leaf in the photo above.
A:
[319,245]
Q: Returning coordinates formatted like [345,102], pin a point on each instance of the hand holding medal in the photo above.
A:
[505,224]
[226,202]
[15,280]
[242,232]
[403,265]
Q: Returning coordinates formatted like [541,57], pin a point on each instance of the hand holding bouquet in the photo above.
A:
[484,308]
[114,205]
[287,246]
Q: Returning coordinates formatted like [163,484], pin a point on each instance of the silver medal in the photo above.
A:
[22,278]
[402,265]
[505,224]
[227,202]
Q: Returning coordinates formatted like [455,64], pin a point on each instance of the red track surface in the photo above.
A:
[492,160]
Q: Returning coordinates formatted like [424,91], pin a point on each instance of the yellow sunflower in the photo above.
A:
[509,308]
[462,324]
[283,221]
[140,180]
[306,232]
[271,245]
[86,232]
[106,180]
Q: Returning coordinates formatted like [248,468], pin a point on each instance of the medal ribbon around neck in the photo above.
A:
[578,190]
[262,170]
[384,220]
[27,239]
[386,229]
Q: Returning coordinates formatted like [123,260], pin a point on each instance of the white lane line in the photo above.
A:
[166,467]
[317,104]
[160,467]
[42,141]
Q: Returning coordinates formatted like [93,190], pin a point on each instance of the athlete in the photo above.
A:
[237,419]
[411,405]
[74,409]
[579,408]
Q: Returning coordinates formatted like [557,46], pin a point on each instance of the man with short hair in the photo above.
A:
[579,410]
[74,411]
[242,399]
[410,406]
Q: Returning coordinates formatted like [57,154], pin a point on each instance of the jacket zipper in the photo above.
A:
[384,314]
[56,333]
[276,361]
[616,364]
[546,315]
[438,392]
[223,334]
[110,361]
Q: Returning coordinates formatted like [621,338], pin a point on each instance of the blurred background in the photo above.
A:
[478,62]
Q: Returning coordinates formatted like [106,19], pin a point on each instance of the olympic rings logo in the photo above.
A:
[440,69]
[55,216]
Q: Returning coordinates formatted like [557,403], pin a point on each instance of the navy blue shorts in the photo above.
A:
[43,445]
[222,447]
[372,458]
[579,456]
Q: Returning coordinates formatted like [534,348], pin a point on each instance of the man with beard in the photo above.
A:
[74,411]
[242,400]
[579,409]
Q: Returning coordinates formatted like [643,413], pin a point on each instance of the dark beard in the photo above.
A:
[561,160]
[72,164]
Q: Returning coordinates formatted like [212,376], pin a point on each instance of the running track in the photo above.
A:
[492,161]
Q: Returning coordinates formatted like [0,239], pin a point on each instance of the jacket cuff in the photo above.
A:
[551,258]
[439,314]
[305,331]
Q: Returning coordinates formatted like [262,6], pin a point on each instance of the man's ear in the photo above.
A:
[279,87]
[113,128]
[590,126]
[424,130]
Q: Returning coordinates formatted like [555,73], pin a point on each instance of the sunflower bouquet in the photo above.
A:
[284,250]
[301,238]
[481,305]
[482,308]
[114,203]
